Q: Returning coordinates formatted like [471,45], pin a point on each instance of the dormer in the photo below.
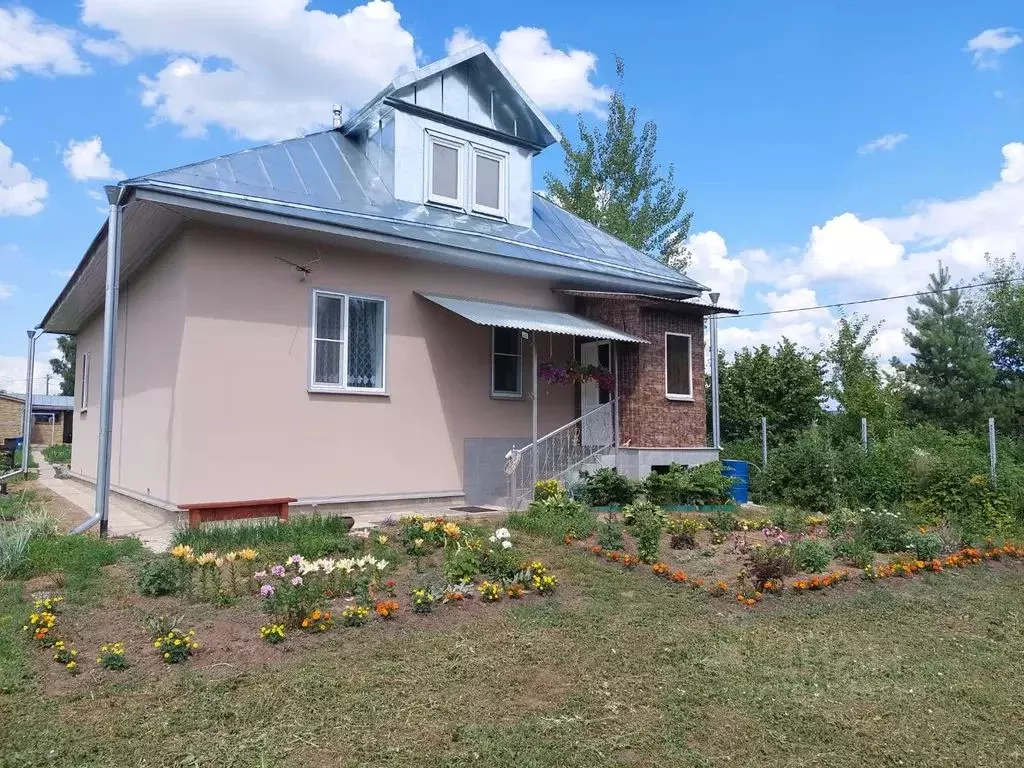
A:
[460,135]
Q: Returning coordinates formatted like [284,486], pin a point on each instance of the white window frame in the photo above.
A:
[83,403]
[460,147]
[689,358]
[519,354]
[501,158]
[343,387]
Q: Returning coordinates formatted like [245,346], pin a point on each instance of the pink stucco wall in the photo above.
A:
[213,402]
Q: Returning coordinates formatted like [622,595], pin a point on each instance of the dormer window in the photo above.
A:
[466,175]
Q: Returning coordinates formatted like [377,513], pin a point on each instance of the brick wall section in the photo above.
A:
[10,418]
[44,434]
[648,418]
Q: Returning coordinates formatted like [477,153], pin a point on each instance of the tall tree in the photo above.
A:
[1002,311]
[785,384]
[951,379]
[612,180]
[856,382]
[64,366]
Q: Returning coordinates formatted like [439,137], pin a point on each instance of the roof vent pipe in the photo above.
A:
[336,111]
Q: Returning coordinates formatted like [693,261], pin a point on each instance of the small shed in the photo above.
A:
[51,417]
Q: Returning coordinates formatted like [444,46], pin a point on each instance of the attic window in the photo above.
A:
[488,182]
[444,161]
[466,175]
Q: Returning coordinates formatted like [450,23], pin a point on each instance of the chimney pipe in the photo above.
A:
[336,109]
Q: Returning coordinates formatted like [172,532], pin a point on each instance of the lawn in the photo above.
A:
[614,669]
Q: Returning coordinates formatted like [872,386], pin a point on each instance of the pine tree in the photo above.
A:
[950,382]
[613,181]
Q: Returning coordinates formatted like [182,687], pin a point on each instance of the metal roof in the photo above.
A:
[48,402]
[527,318]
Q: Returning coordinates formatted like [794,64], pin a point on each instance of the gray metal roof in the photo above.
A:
[45,402]
[325,177]
[527,318]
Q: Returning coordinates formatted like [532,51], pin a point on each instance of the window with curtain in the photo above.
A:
[506,362]
[348,343]
[678,367]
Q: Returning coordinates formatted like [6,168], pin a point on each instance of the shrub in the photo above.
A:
[547,489]
[772,563]
[647,523]
[702,484]
[683,532]
[811,555]
[723,521]
[609,535]
[461,563]
[801,473]
[606,487]
[839,521]
[925,546]
[881,530]
[790,520]
[556,517]
[854,552]
[161,576]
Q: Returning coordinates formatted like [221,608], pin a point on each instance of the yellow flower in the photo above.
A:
[231,557]
[207,558]
[247,554]
[72,665]
[382,539]
[167,655]
[182,551]
[429,526]
[156,644]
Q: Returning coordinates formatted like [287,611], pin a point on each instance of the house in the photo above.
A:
[51,417]
[382,313]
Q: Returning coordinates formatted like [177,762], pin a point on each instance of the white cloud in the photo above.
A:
[553,78]
[988,46]
[260,69]
[113,49]
[13,369]
[710,265]
[807,329]
[21,194]
[883,143]
[1013,163]
[6,291]
[30,44]
[86,161]
[846,247]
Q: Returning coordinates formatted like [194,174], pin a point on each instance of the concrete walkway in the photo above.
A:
[126,518]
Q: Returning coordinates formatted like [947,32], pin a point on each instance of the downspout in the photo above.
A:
[536,387]
[716,423]
[116,195]
[26,428]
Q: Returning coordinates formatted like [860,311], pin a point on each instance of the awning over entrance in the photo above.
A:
[528,318]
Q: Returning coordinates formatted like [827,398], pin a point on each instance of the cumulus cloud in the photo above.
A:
[710,264]
[86,161]
[260,69]
[808,329]
[555,79]
[21,194]
[986,48]
[14,368]
[883,143]
[30,44]
[1013,163]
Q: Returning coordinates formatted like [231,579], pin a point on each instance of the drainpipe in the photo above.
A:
[536,387]
[716,423]
[26,427]
[115,196]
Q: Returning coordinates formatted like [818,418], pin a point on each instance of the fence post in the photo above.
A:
[992,450]
[864,433]
[764,442]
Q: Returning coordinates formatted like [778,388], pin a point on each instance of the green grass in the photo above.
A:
[617,669]
[58,454]
[312,536]
[78,559]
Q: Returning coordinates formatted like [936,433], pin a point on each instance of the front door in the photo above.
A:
[595,432]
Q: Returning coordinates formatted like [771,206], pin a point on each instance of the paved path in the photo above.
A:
[152,527]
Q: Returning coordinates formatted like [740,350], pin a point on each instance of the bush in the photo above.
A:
[881,530]
[609,535]
[556,517]
[547,489]
[702,484]
[58,454]
[925,546]
[854,552]
[723,521]
[800,474]
[790,520]
[606,487]
[772,563]
[811,555]
[160,576]
[648,521]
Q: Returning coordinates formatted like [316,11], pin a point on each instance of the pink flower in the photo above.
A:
[278,570]
[297,581]
[267,590]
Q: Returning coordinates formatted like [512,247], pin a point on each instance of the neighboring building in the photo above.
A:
[51,417]
[355,316]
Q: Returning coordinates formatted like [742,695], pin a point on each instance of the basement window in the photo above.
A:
[347,343]
[678,367]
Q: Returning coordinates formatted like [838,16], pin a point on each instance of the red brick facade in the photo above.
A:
[648,418]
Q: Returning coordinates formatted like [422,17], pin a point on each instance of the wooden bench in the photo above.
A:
[213,511]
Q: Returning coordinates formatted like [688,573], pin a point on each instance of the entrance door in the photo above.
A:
[595,432]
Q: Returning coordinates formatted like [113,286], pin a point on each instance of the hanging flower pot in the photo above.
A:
[576,373]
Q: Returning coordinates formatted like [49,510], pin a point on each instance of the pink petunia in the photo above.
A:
[267,590]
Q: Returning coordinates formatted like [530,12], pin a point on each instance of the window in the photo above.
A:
[444,170]
[44,418]
[506,362]
[488,182]
[348,343]
[84,393]
[678,367]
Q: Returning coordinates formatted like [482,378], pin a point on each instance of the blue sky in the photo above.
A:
[768,114]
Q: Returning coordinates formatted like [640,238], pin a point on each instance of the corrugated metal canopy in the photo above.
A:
[528,318]
[49,402]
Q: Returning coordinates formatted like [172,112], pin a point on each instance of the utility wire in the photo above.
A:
[871,301]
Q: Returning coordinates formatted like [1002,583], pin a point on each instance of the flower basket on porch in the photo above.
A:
[575,372]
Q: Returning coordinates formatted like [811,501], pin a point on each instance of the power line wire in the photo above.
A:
[871,301]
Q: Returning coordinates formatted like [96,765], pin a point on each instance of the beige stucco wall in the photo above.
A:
[146,442]
[212,382]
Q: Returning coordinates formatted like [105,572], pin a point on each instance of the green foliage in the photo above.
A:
[881,529]
[702,484]
[1002,313]
[839,521]
[58,454]
[607,487]
[683,532]
[461,563]
[546,489]
[609,534]
[555,517]
[64,365]
[14,540]
[771,563]
[78,558]
[792,521]
[811,555]
[161,576]
[311,536]
[925,546]
[854,552]
[613,181]
[800,473]
[725,522]
[648,521]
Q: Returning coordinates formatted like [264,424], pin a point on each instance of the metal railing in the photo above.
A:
[558,453]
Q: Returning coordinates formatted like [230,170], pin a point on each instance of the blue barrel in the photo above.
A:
[740,472]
